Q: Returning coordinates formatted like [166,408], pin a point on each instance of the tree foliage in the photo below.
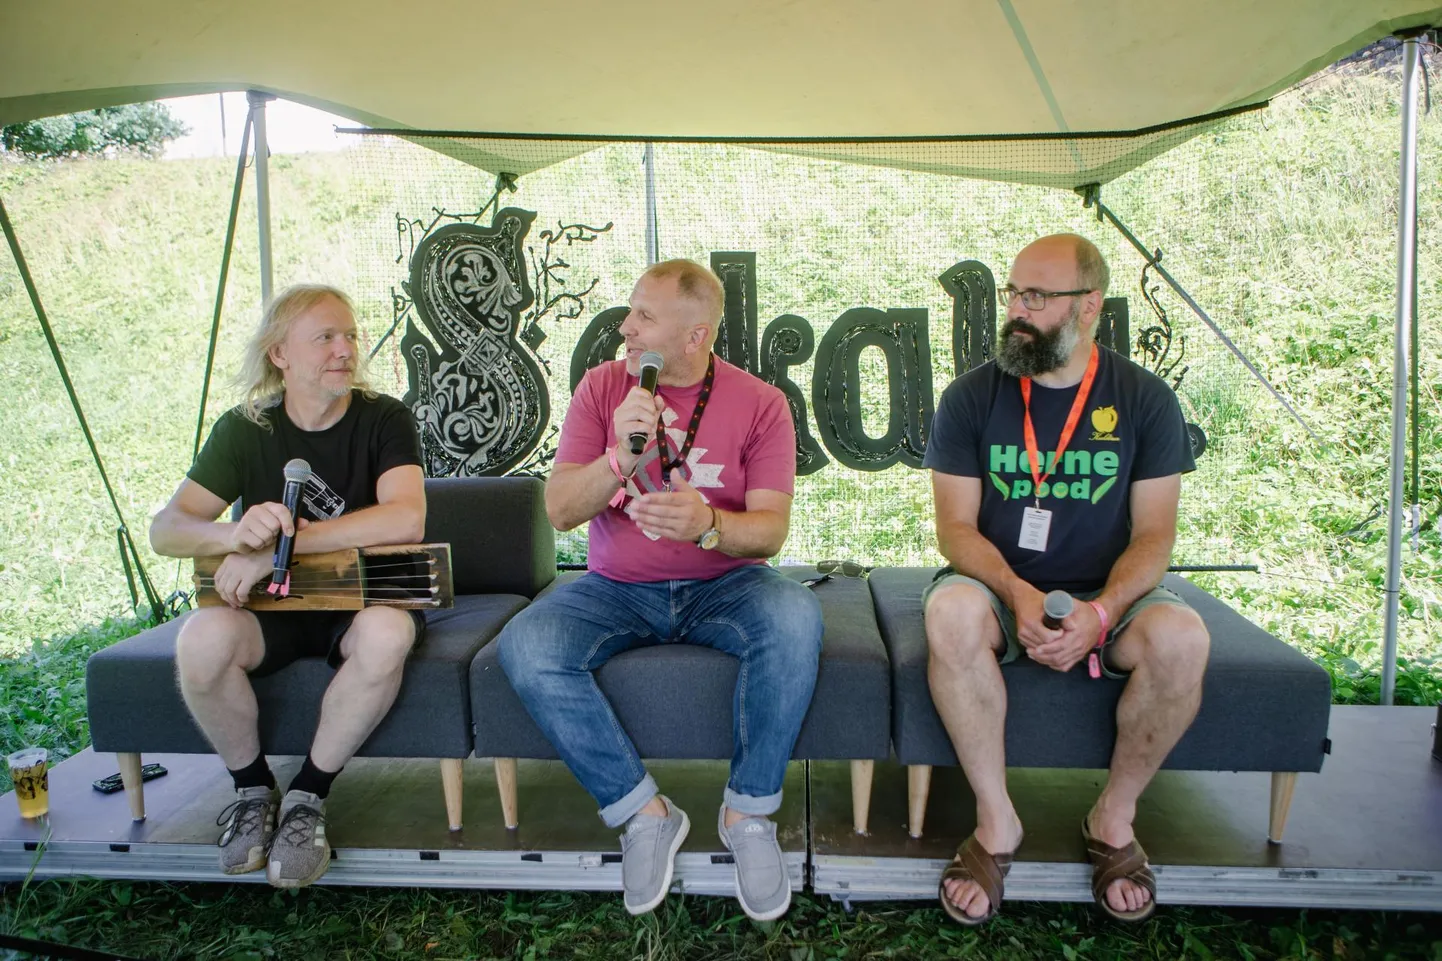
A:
[141,127]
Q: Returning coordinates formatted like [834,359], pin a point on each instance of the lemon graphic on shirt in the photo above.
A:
[1104,419]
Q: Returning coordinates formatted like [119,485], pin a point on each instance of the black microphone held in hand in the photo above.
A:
[1057,605]
[297,472]
[650,370]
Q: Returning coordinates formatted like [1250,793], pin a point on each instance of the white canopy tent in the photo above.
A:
[853,80]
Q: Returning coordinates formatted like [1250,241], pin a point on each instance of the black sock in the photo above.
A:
[313,780]
[255,774]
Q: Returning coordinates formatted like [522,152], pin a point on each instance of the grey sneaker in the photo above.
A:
[762,884]
[648,856]
[249,822]
[299,854]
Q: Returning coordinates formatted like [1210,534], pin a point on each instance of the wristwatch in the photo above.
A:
[711,536]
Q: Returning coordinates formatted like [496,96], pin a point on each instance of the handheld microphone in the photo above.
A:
[1058,604]
[650,370]
[297,472]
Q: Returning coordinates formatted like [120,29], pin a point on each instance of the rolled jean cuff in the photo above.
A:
[618,813]
[751,805]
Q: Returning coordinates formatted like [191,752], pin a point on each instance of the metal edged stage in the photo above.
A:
[1364,833]
[386,820]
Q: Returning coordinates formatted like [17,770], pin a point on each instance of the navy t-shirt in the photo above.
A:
[1131,429]
[242,460]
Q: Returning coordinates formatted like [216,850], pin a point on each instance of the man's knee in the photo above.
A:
[961,624]
[1175,644]
[527,647]
[380,639]
[212,641]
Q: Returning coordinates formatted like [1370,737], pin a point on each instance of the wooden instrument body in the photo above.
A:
[406,576]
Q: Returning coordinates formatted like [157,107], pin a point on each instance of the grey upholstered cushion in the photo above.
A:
[135,704]
[675,700]
[1264,705]
[501,541]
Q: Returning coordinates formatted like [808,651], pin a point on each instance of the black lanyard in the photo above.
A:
[668,465]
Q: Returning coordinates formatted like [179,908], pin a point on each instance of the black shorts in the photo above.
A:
[291,635]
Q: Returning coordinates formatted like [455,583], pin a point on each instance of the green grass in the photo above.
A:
[1280,223]
[245,923]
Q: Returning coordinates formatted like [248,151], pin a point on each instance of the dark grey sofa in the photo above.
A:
[675,700]
[502,554]
[1265,706]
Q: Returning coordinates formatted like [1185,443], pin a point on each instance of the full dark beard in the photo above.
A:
[1043,353]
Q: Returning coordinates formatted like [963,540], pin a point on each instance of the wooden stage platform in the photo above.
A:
[1364,833]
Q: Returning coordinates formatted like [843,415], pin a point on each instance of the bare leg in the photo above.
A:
[963,637]
[375,649]
[217,645]
[1165,648]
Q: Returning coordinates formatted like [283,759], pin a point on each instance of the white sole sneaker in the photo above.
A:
[650,905]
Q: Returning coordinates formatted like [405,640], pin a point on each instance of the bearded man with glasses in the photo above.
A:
[1058,467]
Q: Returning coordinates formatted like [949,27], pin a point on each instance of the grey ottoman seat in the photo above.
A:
[674,700]
[1265,705]
[502,553]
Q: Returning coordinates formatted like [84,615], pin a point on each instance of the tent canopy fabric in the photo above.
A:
[838,69]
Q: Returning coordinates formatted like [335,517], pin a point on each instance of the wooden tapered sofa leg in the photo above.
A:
[451,782]
[134,787]
[861,772]
[1283,784]
[506,785]
[918,789]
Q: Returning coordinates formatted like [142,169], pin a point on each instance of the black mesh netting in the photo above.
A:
[806,237]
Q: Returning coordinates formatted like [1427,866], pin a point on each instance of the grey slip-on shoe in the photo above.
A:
[762,884]
[648,856]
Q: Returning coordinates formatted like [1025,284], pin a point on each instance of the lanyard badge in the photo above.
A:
[1036,520]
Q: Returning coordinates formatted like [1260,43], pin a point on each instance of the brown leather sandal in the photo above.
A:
[974,863]
[1111,864]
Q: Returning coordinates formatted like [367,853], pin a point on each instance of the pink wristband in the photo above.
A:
[1094,660]
[620,496]
[1101,616]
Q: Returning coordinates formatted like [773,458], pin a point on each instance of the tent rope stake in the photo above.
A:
[1092,196]
[129,553]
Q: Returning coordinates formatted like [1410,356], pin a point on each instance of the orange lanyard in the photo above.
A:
[1029,432]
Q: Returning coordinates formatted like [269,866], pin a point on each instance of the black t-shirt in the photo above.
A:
[1131,429]
[242,460]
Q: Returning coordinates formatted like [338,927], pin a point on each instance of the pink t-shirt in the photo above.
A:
[746,442]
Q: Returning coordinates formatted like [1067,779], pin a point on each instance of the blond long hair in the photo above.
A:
[260,382]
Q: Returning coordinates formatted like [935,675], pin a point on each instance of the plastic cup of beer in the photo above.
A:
[32,782]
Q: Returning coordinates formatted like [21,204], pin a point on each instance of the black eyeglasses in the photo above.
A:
[1035,299]
[824,570]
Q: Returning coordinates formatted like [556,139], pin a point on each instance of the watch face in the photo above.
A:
[709,540]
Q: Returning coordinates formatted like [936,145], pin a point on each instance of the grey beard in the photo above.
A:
[1040,355]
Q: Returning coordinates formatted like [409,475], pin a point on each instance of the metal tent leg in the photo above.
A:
[1406,274]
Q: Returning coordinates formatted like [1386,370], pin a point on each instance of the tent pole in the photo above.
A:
[653,234]
[1091,196]
[1406,274]
[257,101]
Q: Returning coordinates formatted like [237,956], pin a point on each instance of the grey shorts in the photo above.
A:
[1157,595]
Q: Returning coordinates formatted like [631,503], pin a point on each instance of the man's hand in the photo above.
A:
[680,515]
[1030,631]
[1079,633]
[638,413]
[238,573]
[261,525]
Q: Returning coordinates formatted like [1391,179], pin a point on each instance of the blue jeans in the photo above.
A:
[768,621]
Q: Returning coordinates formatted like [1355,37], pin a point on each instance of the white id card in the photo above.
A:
[1035,524]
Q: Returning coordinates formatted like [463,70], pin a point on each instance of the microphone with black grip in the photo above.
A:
[297,472]
[1057,605]
[650,370]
